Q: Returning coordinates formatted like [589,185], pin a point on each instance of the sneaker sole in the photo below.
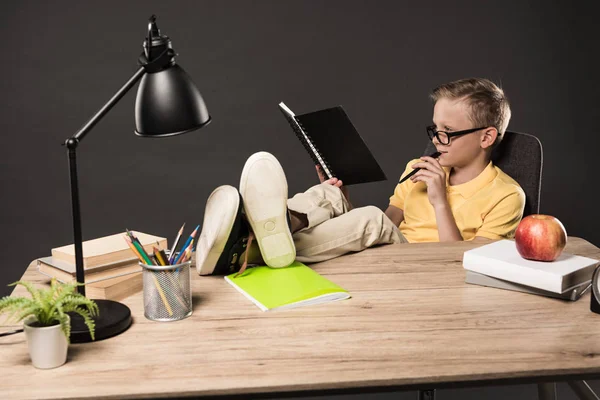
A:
[219,215]
[264,190]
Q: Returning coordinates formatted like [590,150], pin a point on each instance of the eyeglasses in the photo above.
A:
[444,137]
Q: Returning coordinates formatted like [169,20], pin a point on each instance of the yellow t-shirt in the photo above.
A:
[490,205]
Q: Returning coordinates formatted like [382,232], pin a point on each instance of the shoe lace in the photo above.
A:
[245,264]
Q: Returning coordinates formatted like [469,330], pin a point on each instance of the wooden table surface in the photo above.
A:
[411,321]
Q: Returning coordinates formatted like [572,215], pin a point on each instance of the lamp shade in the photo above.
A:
[168,103]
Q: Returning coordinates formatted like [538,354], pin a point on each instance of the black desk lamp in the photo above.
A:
[168,103]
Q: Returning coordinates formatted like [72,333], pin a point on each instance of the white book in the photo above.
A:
[502,260]
[573,294]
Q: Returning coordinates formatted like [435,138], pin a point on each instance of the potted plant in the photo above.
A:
[45,320]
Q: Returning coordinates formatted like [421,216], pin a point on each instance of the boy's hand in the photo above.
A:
[322,176]
[333,181]
[434,176]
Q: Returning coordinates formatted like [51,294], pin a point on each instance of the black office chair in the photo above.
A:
[520,156]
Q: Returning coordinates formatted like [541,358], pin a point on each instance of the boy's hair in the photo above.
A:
[489,106]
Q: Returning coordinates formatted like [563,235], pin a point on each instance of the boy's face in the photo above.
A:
[452,115]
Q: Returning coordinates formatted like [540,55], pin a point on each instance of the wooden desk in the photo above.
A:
[412,322]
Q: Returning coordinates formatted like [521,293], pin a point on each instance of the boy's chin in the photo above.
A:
[443,161]
[447,164]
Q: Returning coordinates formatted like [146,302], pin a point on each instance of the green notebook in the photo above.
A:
[289,287]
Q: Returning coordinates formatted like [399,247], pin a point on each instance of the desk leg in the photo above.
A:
[426,394]
[583,390]
[547,391]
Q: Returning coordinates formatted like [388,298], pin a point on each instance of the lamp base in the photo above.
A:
[113,318]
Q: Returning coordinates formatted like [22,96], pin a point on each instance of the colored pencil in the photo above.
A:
[143,253]
[175,243]
[187,254]
[129,233]
[147,261]
[162,260]
[139,246]
[164,256]
[132,247]
[192,236]
[162,296]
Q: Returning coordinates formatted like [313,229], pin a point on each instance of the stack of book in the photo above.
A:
[111,269]
[500,265]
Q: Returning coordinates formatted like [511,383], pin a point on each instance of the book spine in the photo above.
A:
[308,144]
[485,280]
[94,278]
[60,279]
[109,259]
[242,291]
[317,157]
[508,272]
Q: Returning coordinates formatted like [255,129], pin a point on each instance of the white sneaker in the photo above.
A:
[264,190]
[224,233]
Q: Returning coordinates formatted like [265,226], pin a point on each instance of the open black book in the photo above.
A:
[334,143]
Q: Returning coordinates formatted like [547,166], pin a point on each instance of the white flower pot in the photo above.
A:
[47,345]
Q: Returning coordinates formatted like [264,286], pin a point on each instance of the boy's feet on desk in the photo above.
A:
[224,233]
[264,191]
[223,243]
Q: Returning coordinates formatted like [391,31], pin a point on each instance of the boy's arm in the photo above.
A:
[434,176]
[447,229]
[395,210]
[395,214]
[502,220]
[335,182]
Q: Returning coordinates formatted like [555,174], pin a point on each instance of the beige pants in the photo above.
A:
[333,230]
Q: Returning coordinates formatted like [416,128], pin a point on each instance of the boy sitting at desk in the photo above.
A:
[459,195]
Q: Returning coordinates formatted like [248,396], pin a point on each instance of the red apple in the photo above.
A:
[540,237]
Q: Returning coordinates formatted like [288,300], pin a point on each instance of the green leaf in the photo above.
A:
[65,325]
[84,301]
[87,318]
[26,312]
[51,305]
[12,305]
[35,293]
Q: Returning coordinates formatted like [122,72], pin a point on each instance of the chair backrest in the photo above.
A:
[520,156]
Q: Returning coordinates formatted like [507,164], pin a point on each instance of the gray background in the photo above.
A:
[63,60]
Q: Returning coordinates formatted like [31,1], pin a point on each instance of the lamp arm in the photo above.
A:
[72,144]
[78,136]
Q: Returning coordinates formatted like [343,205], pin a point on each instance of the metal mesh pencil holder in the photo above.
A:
[167,291]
